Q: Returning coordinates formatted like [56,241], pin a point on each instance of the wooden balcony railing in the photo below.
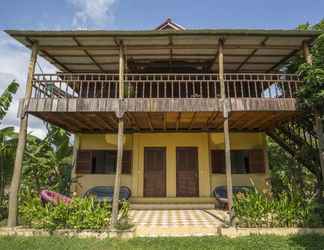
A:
[96,85]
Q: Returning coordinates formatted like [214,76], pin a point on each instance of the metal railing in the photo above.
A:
[100,85]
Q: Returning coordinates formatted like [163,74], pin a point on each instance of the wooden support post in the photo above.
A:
[318,121]
[226,128]
[15,182]
[120,140]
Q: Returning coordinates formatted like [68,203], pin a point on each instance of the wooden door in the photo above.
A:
[154,172]
[187,172]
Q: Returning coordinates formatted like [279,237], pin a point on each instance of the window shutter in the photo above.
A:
[218,161]
[127,162]
[256,161]
[84,162]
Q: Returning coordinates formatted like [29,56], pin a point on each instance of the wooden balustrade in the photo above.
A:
[97,85]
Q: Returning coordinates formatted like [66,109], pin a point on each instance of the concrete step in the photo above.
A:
[171,206]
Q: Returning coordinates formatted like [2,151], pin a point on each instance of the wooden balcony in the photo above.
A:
[89,101]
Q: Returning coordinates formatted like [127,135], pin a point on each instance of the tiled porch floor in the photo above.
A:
[177,218]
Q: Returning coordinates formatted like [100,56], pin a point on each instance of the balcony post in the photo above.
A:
[15,181]
[318,120]
[226,128]
[120,139]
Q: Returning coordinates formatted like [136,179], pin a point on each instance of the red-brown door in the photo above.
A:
[187,172]
[154,172]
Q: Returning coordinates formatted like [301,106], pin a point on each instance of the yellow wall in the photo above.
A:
[240,141]
[203,141]
[171,141]
[100,141]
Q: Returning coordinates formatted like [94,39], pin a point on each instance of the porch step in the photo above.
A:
[172,200]
[171,206]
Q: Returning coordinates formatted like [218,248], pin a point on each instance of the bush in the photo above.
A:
[261,209]
[81,213]
[3,207]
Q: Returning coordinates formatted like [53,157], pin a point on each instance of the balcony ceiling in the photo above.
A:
[97,51]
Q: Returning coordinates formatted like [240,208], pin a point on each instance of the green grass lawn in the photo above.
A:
[251,242]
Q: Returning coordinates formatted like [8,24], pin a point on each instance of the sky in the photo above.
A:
[130,15]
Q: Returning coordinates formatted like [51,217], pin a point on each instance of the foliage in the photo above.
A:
[287,175]
[48,163]
[311,94]
[262,209]
[6,98]
[81,213]
[8,143]
[4,207]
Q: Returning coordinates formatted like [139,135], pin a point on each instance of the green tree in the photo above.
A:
[8,138]
[47,163]
[310,97]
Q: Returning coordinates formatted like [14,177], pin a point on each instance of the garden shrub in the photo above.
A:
[81,213]
[3,207]
[262,209]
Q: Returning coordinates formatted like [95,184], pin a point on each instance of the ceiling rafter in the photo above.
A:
[178,121]
[149,121]
[48,55]
[263,43]
[88,54]
[291,54]
[175,46]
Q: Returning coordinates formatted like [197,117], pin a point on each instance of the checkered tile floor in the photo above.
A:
[205,218]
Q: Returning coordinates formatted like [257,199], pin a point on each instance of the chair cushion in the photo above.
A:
[221,191]
[106,193]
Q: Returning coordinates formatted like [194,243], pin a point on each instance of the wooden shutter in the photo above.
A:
[84,162]
[218,161]
[127,162]
[257,161]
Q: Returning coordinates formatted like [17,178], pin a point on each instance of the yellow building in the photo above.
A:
[189,110]
[147,178]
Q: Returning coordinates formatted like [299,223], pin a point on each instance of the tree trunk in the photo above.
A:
[120,140]
[320,136]
[15,182]
[2,177]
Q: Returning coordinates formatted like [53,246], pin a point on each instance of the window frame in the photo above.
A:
[91,169]
[256,161]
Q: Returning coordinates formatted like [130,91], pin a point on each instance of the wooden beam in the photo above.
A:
[15,182]
[104,122]
[175,46]
[133,120]
[192,120]
[263,43]
[226,129]
[165,127]
[178,121]
[283,60]
[212,55]
[148,119]
[49,56]
[212,118]
[87,53]
[120,139]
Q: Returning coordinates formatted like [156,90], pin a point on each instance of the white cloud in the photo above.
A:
[99,13]
[13,66]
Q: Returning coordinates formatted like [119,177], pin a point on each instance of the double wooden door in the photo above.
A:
[187,184]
